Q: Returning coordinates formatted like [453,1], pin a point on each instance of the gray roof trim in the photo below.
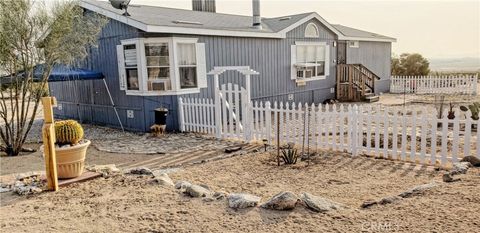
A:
[353,33]
[279,31]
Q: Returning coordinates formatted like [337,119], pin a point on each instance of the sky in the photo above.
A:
[435,29]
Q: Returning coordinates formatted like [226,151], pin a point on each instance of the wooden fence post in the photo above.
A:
[268,122]
[218,110]
[181,115]
[48,134]
[355,130]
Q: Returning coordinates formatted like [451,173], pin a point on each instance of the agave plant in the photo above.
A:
[474,109]
[289,155]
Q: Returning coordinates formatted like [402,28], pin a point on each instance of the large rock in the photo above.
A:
[242,200]
[460,168]
[26,190]
[319,204]
[3,190]
[388,200]
[140,171]
[418,190]
[448,177]
[472,160]
[281,201]
[383,201]
[163,179]
[197,191]
[369,203]
[106,170]
[182,185]
[220,195]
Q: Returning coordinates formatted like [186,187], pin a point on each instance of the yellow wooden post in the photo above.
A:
[48,133]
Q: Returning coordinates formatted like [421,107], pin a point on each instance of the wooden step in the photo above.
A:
[372,99]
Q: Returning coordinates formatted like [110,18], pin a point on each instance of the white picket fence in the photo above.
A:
[451,84]
[415,135]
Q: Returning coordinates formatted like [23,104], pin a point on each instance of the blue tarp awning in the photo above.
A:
[64,73]
[60,73]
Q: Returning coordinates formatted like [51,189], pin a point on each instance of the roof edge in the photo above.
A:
[221,32]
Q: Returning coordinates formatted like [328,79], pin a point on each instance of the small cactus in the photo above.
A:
[68,132]
[289,155]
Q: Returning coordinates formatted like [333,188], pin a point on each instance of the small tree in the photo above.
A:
[31,35]
[410,64]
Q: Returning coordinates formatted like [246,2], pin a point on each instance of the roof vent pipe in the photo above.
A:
[257,20]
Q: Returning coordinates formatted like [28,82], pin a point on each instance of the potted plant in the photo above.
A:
[71,150]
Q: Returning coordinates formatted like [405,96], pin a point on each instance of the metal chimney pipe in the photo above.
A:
[257,20]
[204,5]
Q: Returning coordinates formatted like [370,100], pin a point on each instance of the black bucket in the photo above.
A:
[161,116]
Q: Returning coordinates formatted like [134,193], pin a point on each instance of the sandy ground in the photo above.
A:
[34,161]
[134,204]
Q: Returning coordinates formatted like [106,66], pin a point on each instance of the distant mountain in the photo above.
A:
[455,64]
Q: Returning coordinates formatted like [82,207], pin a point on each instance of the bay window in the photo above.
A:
[131,66]
[187,65]
[158,67]
[310,61]
[161,66]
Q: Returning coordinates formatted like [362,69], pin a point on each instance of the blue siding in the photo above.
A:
[88,100]
[376,57]
[272,59]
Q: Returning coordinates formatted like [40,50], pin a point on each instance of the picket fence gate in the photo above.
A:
[448,84]
[416,135]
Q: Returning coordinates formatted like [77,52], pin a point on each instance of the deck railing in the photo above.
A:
[353,81]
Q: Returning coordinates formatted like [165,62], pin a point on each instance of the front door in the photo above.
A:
[342,52]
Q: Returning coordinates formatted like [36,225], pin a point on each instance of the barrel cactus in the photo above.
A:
[68,132]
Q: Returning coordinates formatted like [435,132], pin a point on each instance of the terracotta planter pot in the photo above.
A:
[71,160]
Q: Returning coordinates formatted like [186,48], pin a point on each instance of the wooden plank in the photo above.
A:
[386,133]
[48,135]
[378,120]
[84,177]
[468,132]
[444,138]
[413,136]
[456,140]
[423,137]
[268,122]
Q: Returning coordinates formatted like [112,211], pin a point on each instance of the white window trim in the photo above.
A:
[316,29]
[294,61]
[174,68]
[176,41]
